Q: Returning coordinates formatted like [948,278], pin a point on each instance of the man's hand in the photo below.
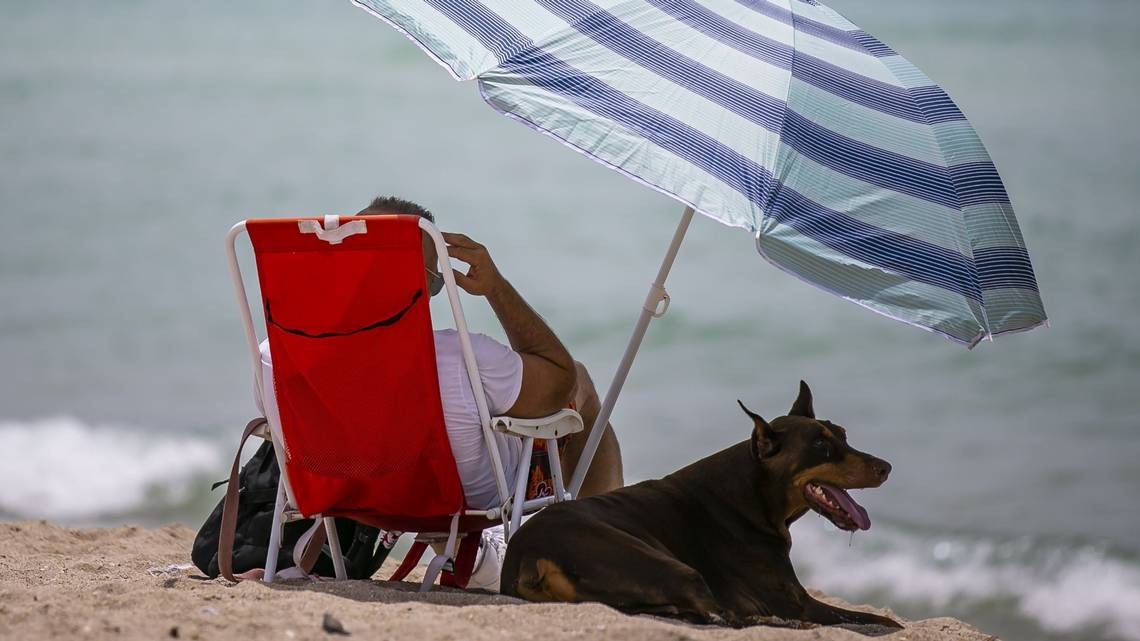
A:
[548,371]
[482,277]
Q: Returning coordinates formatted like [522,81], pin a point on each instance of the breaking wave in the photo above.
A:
[1059,589]
[62,468]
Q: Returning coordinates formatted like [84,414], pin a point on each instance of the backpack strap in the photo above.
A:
[308,548]
[230,508]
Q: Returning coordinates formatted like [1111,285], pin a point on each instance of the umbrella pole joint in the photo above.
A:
[657,301]
[655,305]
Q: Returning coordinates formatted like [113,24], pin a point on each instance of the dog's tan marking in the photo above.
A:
[831,473]
[549,583]
[826,432]
[839,474]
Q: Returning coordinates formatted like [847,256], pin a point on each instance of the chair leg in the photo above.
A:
[521,477]
[334,547]
[275,533]
[555,469]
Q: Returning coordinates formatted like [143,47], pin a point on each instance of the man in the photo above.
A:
[535,376]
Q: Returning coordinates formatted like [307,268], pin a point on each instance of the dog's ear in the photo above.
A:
[763,441]
[802,406]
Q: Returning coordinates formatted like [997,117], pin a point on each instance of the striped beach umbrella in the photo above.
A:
[851,168]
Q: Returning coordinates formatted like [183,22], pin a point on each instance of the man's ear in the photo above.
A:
[802,406]
[763,442]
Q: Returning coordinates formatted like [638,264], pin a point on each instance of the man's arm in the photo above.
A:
[548,369]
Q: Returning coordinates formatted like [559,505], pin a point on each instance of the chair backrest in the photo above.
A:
[354,370]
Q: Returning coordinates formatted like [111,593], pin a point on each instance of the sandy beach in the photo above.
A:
[135,583]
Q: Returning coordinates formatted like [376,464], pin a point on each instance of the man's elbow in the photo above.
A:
[564,388]
[547,388]
[560,387]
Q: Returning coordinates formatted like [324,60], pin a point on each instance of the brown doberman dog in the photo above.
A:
[708,543]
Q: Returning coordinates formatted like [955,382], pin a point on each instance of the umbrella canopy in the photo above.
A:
[853,170]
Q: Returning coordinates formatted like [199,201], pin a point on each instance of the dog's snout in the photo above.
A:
[881,469]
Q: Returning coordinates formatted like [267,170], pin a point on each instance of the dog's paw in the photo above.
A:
[715,618]
[779,622]
[888,622]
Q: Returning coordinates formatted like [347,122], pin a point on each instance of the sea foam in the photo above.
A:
[62,468]
[1061,588]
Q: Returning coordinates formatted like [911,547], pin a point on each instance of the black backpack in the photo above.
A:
[257,494]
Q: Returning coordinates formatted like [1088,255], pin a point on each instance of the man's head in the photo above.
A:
[389,205]
[382,205]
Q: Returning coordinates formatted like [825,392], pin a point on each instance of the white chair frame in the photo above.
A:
[512,503]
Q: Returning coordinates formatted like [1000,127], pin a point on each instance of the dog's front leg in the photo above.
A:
[819,612]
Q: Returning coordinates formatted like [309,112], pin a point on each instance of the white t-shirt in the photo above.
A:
[500,369]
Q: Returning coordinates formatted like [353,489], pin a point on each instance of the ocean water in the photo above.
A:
[134,133]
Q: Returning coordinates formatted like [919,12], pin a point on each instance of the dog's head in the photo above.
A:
[812,460]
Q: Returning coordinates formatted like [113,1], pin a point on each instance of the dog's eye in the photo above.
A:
[822,446]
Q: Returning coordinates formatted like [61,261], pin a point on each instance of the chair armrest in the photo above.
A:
[556,425]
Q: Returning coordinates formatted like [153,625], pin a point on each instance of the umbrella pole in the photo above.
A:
[655,305]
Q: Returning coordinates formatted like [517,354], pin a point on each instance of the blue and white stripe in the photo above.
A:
[852,168]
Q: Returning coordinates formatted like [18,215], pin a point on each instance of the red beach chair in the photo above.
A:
[358,426]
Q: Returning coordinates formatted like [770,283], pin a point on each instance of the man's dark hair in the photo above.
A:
[394,205]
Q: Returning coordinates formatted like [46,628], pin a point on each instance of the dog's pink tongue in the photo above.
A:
[853,509]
